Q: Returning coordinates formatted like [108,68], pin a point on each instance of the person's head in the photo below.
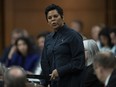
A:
[77,25]
[41,40]
[91,49]
[113,35]
[15,76]
[23,46]
[54,16]
[103,65]
[95,32]
[16,33]
[104,37]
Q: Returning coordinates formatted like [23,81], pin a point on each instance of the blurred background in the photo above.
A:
[29,15]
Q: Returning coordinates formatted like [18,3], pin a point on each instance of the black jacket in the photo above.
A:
[91,79]
[112,80]
[64,51]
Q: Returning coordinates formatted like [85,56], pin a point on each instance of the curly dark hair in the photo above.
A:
[27,42]
[54,7]
[105,32]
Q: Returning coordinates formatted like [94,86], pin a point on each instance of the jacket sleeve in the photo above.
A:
[12,61]
[77,62]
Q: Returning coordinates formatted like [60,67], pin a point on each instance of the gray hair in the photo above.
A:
[105,59]
[92,49]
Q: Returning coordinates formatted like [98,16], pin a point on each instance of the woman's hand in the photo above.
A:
[54,74]
[12,51]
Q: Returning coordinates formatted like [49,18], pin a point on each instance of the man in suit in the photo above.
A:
[91,49]
[104,67]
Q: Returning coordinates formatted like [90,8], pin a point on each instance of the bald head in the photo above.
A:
[15,77]
[16,72]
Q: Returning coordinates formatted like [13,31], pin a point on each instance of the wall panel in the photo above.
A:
[29,14]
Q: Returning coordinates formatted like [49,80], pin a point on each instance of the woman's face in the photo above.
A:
[54,19]
[104,40]
[22,47]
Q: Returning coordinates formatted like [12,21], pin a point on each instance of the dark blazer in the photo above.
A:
[64,51]
[28,64]
[1,83]
[91,79]
[112,80]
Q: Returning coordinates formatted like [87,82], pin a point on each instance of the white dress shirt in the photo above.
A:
[107,79]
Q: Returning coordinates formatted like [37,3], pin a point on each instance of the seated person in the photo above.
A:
[25,56]
[15,77]
[91,49]
[8,52]
[40,45]
[105,68]
[2,70]
[113,39]
[105,40]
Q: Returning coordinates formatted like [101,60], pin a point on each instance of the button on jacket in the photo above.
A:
[64,51]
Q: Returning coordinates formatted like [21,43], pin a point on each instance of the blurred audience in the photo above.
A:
[25,55]
[104,66]
[2,71]
[40,44]
[95,34]
[41,40]
[113,39]
[15,77]
[105,40]
[77,25]
[91,49]
[16,33]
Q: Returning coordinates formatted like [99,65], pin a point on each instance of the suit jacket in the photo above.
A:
[64,51]
[112,80]
[91,79]
[1,83]
[28,63]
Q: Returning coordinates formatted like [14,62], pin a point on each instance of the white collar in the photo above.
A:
[107,80]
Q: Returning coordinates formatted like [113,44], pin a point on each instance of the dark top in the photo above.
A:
[28,63]
[64,51]
[91,79]
[112,80]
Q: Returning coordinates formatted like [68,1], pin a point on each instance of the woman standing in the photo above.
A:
[63,54]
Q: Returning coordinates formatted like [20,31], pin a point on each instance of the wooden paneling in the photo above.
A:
[112,13]
[29,14]
[8,20]
[1,27]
